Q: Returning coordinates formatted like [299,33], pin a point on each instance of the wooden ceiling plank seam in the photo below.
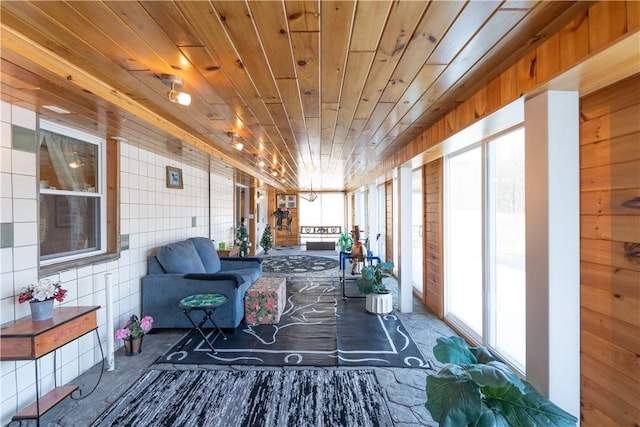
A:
[302,15]
[172,21]
[272,26]
[83,54]
[204,21]
[427,35]
[238,23]
[306,48]
[336,21]
[369,16]
[211,39]
[399,29]
[490,34]
[75,76]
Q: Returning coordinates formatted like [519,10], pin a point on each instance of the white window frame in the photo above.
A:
[487,247]
[101,190]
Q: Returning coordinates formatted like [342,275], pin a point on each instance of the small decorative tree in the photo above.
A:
[266,242]
[242,240]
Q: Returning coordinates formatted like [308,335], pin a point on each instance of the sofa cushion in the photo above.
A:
[180,257]
[208,254]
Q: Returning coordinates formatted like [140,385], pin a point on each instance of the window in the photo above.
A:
[72,194]
[485,294]
[327,210]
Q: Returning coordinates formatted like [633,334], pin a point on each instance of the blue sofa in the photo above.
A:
[191,267]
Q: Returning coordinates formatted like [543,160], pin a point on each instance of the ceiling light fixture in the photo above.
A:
[312,195]
[235,144]
[176,96]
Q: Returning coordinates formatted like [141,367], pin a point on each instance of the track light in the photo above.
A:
[235,144]
[176,96]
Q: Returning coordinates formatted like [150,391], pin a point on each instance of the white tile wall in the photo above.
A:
[151,214]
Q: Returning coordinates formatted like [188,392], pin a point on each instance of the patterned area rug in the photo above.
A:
[297,264]
[251,398]
[317,328]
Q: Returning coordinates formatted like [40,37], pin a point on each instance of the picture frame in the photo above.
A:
[288,201]
[174,178]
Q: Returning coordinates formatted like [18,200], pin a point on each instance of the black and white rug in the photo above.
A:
[297,264]
[251,398]
[317,328]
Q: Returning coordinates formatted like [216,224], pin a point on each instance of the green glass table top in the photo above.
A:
[203,301]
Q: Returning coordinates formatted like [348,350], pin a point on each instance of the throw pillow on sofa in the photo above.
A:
[180,257]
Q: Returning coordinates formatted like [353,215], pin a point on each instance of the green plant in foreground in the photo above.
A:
[474,389]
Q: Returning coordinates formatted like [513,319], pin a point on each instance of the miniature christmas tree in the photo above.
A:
[242,240]
[266,242]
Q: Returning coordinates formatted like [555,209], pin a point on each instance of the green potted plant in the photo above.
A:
[379,299]
[474,389]
[267,241]
[345,242]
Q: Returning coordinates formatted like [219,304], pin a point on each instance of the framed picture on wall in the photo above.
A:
[286,201]
[174,177]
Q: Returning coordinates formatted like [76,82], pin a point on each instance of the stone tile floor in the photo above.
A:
[404,388]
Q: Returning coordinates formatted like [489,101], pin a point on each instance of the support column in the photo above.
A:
[404,255]
[553,246]
[374,223]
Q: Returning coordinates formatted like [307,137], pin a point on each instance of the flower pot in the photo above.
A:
[379,303]
[133,346]
[41,310]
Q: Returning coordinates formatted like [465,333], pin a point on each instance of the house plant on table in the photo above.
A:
[379,299]
[133,332]
[41,297]
[345,242]
[474,389]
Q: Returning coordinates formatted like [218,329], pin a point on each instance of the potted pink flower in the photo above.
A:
[132,333]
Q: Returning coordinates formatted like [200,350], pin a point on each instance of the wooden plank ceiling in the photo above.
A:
[319,90]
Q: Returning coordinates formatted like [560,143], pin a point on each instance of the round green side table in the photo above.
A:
[207,303]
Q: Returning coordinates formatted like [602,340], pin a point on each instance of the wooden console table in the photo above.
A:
[229,252]
[25,339]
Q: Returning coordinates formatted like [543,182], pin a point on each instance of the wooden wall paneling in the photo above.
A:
[607,21]
[609,270]
[434,294]
[595,396]
[604,202]
[613,125]
[633,15]
[574,40]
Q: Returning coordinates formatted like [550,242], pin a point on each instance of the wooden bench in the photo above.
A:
[264,301]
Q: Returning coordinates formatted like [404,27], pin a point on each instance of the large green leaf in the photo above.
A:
[453,397]
[531,409]
[490,417]
[482,354]
[453,350]
[495,375]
